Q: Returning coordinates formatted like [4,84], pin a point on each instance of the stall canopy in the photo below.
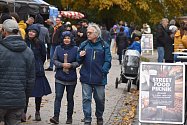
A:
[72,14]
[26,7]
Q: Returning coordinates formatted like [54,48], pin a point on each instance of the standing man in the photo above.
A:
[43,33]
[81,33]
[95,57]
[17,73]
[162,38]
[56,40]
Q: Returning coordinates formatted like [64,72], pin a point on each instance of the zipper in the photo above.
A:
[91,64]
[94,55]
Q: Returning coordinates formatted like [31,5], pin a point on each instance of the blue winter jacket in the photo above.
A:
[39,51]
[96,63]
[58,57]
[135,46]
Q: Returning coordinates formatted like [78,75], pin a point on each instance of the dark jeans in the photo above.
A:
[59,90]
[48,50]
[11,116]
[120,57]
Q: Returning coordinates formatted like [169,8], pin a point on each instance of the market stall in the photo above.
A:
[26,7]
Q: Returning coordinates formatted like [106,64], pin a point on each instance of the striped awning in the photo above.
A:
[72,14]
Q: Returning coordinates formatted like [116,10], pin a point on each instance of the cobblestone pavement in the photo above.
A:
[112,97]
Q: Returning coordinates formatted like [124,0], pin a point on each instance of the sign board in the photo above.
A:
[162,93]
[147,42]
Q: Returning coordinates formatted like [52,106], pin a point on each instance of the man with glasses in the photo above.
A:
[95,57]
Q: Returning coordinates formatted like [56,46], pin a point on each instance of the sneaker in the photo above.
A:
[23,117]
[69,121]
[54,120]
[99,121]
[87,123]
[49,69]
[37,116]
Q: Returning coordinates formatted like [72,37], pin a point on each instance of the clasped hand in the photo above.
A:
[66,65]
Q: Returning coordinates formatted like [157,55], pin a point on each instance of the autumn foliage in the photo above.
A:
[140,11]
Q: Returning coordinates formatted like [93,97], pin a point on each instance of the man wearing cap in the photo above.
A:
[17,69]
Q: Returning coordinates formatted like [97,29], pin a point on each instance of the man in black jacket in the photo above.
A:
[162,39]
[17,69]
[55,40]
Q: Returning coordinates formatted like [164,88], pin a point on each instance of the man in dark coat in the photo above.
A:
[81,33]
[164,42]
[105,34]
[121,42]
[56,40]
[17,73]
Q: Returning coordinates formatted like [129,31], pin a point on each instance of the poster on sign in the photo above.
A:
[162,93]
[147,43]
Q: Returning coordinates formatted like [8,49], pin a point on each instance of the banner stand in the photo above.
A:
[147,43]
[162,93]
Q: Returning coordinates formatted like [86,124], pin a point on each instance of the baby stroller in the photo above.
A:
[129,69]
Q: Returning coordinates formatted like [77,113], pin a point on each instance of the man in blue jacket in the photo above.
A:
[95,57]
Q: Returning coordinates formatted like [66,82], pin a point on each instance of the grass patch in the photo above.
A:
[143,59]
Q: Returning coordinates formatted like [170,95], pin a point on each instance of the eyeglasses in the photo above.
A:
[89,33]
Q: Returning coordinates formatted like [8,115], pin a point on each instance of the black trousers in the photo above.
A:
[38,101]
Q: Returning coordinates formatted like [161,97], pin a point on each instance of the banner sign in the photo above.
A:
[162,93]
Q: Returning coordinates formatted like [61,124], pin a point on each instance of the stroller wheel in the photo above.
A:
[128,85]
[116,83]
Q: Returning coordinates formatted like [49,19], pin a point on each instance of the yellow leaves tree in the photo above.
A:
[138,11]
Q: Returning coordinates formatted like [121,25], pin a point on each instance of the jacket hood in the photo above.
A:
[14,43]
[22,25]
[36,28]
[121,33]
[67,33]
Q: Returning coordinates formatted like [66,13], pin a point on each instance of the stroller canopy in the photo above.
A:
[132,53]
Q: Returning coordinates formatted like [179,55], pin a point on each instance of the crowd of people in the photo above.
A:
[25,45]
[24,48]
[171,37]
